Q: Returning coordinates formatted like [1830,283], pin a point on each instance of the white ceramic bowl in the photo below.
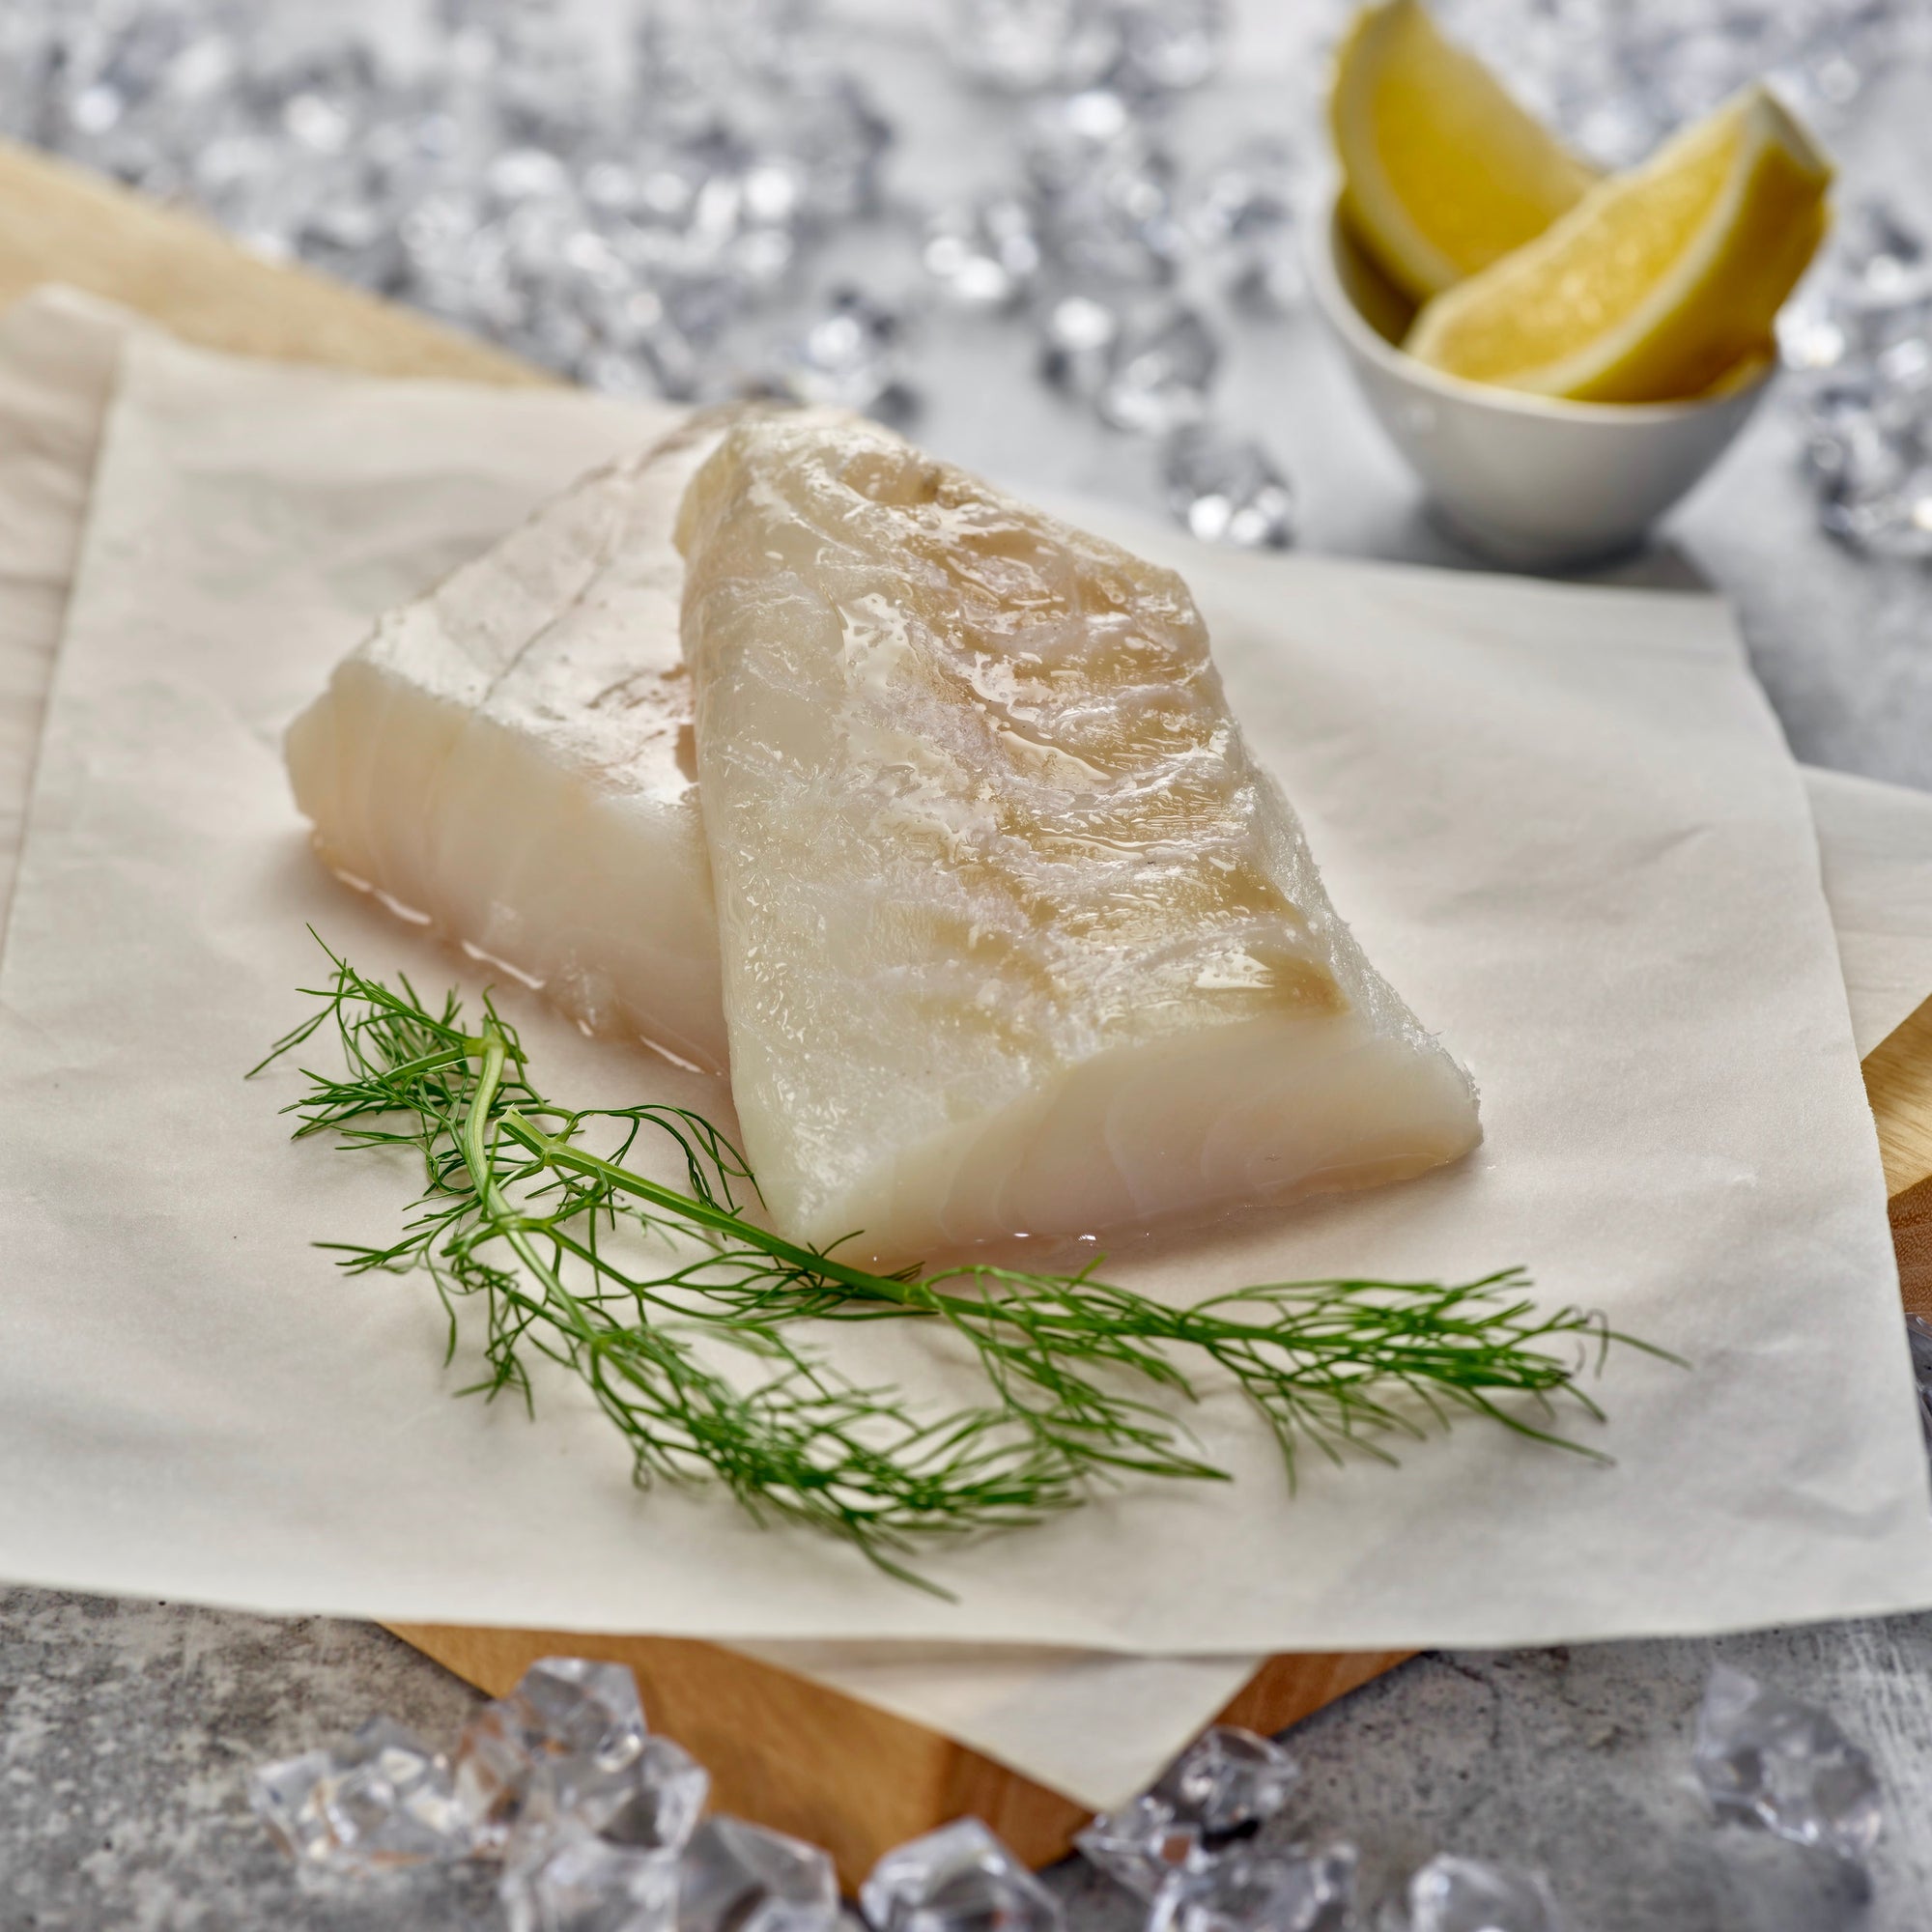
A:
[1528,480]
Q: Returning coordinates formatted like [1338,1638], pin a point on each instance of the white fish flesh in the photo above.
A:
[1016,938]
[508,758]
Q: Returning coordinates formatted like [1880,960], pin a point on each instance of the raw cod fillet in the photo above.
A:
[509,759]
[1015,936]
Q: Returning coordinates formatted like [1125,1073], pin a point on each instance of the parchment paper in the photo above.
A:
[1561,820]
[57,359]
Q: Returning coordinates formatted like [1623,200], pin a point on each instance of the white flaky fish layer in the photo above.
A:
[1015,936]
[509,759]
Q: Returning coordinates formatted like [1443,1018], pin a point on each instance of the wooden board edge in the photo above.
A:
[1293,1685]
[64,223]
[1912,1240]
[1898,1083]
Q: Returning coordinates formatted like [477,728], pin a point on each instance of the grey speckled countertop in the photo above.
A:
[127,1729]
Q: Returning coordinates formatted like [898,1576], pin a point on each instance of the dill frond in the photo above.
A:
[530,1215]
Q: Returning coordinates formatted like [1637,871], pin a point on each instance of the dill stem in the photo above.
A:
[494,1051]
[622,1180]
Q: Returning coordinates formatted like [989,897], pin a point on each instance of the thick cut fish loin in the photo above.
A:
[1016,938]
[509,759]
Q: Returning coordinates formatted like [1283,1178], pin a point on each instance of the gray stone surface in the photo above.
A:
[127,1729]
[127,1732]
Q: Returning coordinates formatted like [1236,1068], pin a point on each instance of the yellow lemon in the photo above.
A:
[1658,282]
[1443,173]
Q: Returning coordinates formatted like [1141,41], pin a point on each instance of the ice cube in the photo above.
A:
[1078,136]
[985,254]
[1893,519]
[381,1800]
[1172,43]
[1878,253]
[1766,1760]
[563,1709]
[1297,1892]
[848,356]
[1023,45]
[1160,370]
[1455,1895]
[586,1884]
[958,1879]
[827,128]
[1226,488]
[1108,203]
[649,1804]
[1225,1784]
[739,1876]
[1077,336]
[1241,216]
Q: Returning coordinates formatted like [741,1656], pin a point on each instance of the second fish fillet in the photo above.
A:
[508,758]
[1016,938]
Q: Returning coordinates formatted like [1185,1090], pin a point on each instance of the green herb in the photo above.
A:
[530,1213]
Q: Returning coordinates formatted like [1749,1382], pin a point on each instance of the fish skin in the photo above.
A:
[508,759]
[1016,938]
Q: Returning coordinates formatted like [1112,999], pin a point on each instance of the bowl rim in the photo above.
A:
[1338,308]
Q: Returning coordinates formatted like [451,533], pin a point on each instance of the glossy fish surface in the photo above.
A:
[1015,936]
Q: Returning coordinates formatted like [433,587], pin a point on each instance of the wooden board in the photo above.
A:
[1899,1081]
[61,224]
[780,1748]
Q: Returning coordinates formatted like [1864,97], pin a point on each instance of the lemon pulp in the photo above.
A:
[1657,282]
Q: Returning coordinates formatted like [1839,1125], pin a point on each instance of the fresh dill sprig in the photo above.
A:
[531,1212]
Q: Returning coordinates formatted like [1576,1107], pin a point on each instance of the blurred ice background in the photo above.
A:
[994,218]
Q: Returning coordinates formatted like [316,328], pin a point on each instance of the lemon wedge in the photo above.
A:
[1443,173]
[1657,282]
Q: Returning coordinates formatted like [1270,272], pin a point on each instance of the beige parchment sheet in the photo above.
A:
[255,521]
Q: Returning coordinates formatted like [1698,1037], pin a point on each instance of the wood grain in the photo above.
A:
[1898,1083]
[780,1748]
[1912,1238]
